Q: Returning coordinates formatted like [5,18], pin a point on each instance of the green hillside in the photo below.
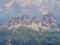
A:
[30,37]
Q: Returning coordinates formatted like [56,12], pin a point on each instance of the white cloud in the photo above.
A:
[0,0]
[37,3]
[44,12]
[58,3]
[46,0]
[6,11]
[1,10]
[8,5]
[24,3]
[43,6]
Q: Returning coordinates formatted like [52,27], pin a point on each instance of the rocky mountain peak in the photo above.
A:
[13,21]
[49,21]
[24,17]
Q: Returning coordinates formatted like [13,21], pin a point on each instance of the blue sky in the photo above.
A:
[10,8]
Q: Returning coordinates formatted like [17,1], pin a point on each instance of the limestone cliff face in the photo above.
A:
[48,22]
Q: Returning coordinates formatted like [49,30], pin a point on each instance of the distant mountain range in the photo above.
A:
[48,22]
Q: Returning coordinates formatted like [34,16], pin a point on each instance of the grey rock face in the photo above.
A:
[25,19]
[49,21]
[13,21]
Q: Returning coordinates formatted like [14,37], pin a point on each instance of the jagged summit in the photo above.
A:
[48,22]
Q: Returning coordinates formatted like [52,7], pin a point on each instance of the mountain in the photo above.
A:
[26,30]
[48,22]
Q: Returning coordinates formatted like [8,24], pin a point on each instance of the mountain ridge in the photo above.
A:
[48,21]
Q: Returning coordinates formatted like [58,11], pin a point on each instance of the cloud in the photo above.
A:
[1,10]
[46,0]
[0,0]
[43,6]
[25,4]
[8,5]
[58,3]
[44,12]
[47,6]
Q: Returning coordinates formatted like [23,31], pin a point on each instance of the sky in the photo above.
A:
[9,8]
